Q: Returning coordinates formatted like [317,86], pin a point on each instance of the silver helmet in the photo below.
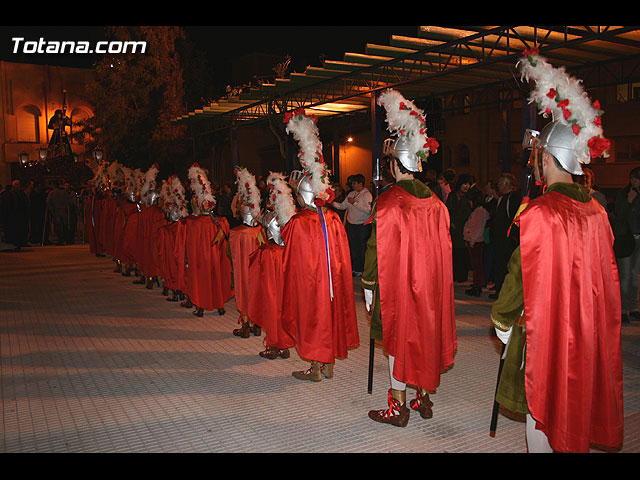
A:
[559,140]
[247,217]
[130,193]
[152,198]
[408,159]
[269,222]
[174,214]
[303,188]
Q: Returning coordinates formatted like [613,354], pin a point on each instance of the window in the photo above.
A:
[28,124]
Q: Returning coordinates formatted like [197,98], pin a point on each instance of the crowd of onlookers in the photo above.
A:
[32,213]
[35,213]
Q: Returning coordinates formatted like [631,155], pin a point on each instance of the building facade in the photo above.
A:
[29,96]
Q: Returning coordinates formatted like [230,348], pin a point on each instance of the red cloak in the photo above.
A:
[170,262]
[105,224]
[91,216]
[208,274]
[416,286]
[243,240]
[322,329]
[151,219]
[122,213]
[264,300]
[573,373]
[130,234]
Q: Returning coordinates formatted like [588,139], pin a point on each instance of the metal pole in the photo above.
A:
[376,135]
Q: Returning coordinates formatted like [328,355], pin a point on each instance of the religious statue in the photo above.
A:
[59,147]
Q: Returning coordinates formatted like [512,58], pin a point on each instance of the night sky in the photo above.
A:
[305,44]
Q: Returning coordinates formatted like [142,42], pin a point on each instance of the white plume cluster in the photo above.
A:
[177,195]
[407,120]
[201,187]
[101,178]
[148,183]
[138,176]
[129,179]
[114,171]
[305,132]
[280,198]
[560,95]
[165,195]
[248,190]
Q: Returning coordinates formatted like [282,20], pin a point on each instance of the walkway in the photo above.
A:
[90,362]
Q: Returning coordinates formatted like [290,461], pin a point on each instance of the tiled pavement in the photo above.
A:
[93,363]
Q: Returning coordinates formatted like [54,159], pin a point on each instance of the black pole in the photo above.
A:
[496,405]
[376,135]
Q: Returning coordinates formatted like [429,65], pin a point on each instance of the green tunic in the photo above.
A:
[508,308]
[370,274]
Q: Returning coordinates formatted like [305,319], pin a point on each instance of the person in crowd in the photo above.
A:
[558,311]
[474,237]
[59,206]
[506,207]
[38,208]
[15,215]
[588,183]
[446,180]
[626,229]
[358,206]
[490,202]
[408,281]
[459,211]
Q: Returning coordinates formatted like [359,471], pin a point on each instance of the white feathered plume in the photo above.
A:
[114,171]
[129,179]
[562,96]
[305,132]
[138,176]
[101,178]
[248,190]
[201,187]
[177,195]
[407,120]
[280,198]
[148,183]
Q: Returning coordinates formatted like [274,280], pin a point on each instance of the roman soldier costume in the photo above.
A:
[408,271]
[318,301]
[265,279]
[207,265]
[243,240]
[559,310]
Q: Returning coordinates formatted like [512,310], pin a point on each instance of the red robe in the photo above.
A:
[92,215]
[208,274]
[573,373]
[121,214]
[106,225]
[170,262]
[243,240]
[322,329]
[151,219]
[130,233]
[416,286]
[264,301]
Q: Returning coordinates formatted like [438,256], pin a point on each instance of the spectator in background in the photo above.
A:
[474,240]
[506,208]
[459,211]
[358,207]
[490,202]
[588,181]
[626,230]
[60,204]
[38,208]
[446,180]
[15,215]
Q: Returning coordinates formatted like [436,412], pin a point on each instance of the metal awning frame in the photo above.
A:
[438,63]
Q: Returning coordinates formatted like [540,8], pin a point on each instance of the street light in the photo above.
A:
[97,154]
[23,158]
[42,154]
